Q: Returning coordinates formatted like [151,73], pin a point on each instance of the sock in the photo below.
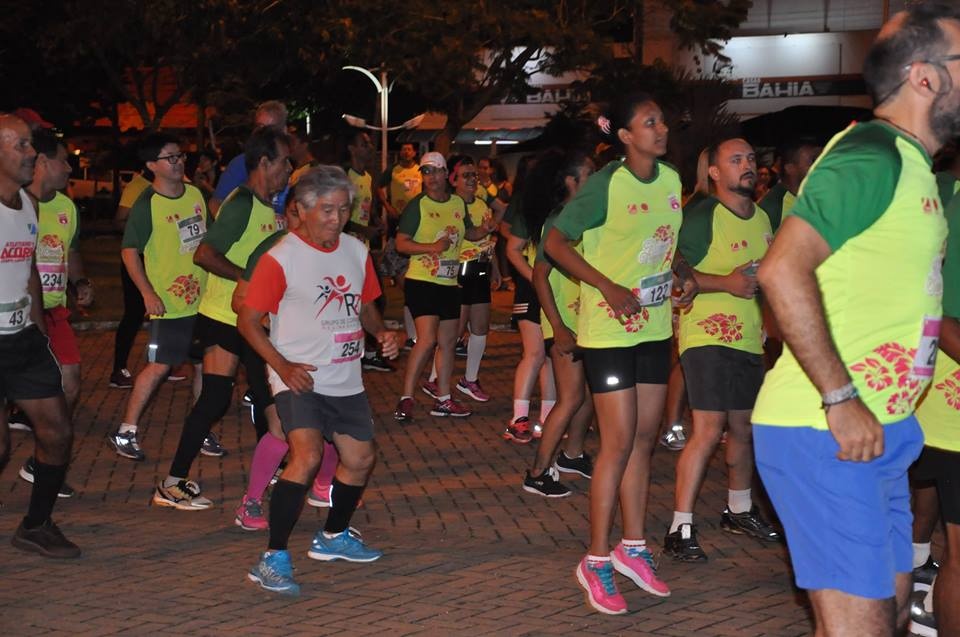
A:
[739,501]
[921,553]
[343,502]
[680,518]
[125,427]
[640,544]
[475,348]
[433,370]
[403,397]
[285,506]
[408,323]
[571,457]
[545,407]
[328,467]
[598,558]
[47,480]
[443,398]
[521,409]
[266,458]
[928,599]
[170,481]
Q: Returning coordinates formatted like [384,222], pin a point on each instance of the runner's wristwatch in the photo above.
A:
[837,396]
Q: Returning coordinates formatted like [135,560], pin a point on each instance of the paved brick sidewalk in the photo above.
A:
[467,551]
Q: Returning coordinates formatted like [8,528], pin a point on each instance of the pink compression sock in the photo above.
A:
[328,467]
[266,458]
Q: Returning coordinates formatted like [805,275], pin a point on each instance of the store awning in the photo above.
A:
[500,123]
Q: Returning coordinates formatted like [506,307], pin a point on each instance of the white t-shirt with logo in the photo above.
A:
[313,297]
[18,241]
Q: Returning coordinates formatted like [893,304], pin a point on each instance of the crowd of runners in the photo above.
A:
[808,323]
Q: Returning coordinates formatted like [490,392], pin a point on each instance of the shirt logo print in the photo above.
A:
[739,245]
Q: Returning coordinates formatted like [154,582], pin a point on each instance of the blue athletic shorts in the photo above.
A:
[848,524]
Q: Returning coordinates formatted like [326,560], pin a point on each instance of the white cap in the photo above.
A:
[434,160]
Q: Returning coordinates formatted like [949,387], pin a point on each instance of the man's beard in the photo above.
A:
[945,115]
[745,191]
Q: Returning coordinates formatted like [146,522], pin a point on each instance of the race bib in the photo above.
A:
[281,222]
[347,346]
[14,316]
[926,357]
[655,289]
[191,231]
[448,269]
[53,277]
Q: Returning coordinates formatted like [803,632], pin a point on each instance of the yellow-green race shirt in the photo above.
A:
[628,227]
[872,197]
[405,184]
[778,203]
[362,200]
[57,236]
[479,212]
[243,222]
[425,221]
[715,240]
[167,231]
[565,288]
[939,409]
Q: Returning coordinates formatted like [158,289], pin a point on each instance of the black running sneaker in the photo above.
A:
[923,575]
[376,363]
[682,544]
[922,621]
[749,523]
[582,464]
[546,484]
[46,539]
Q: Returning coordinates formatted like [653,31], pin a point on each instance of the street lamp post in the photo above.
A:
[383,90]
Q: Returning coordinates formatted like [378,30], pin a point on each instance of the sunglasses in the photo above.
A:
[429,170]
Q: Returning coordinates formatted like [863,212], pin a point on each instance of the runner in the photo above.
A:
[627,216]
[314,351]
[165,226]
[245,220]
[721,345]
[430,231]
[854,280]
[29,374]
[476,275]
[796,157]
[557,177]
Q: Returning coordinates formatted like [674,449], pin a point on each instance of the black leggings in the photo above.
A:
[133,311]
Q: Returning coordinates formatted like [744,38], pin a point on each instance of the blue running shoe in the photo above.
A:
[345,546]
[274,572]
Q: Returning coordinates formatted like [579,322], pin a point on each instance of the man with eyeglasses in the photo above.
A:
[245,220]
[854,280]
[166,224]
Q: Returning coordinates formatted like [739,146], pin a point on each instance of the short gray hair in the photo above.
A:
[319,181]
[276,110]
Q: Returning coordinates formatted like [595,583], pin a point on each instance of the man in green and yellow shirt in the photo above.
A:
[723,238]
[165,226]
[796,157]
[854,280]
[245,219]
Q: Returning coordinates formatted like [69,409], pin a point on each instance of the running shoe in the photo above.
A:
[17,420]
[676,437]
[750,523]
[126,445]
[250,515]
[546,484]
[596,578]
[46,539]
[537,430]
[682,545]
[408,344]
[472,389]
[922,620]
[449,407]
[247,398]
[431,389]
[274,572]
[519,431]
[27,471]
[581,465]
[637,564]
[923,575]
[460,350]
[184,495]
[319,497]
[404,410]
[344,546]
[376,363]
[212,447]
[122,379]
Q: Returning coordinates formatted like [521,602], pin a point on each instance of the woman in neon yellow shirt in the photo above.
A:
[627,217]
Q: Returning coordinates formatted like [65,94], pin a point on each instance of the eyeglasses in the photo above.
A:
[946,58]
[173,159]
[429,170]
[935,61]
